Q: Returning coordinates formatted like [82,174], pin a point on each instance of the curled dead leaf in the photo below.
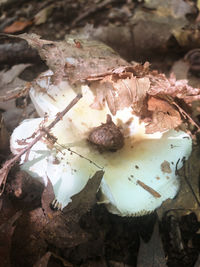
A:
[17,26]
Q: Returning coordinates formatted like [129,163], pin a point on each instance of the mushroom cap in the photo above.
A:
[138,177]
[68,171]
[152,163]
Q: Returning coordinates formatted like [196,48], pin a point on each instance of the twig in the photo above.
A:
[22,92]
[149,189]
[9,163]
[74,152]
[181,110]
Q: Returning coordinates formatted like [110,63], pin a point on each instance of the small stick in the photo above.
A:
[182,111]
[9,163]
[149,189]
[187,115]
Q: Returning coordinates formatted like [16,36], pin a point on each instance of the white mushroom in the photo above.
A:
[138,177]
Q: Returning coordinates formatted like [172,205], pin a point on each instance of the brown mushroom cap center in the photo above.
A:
[107,137]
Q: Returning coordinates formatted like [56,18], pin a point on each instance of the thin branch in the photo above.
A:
[23,91]
[148,189]
[181,110]
[9,163]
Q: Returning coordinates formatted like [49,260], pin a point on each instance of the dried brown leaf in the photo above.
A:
[84,200]
[121,92]
[64,230]
[10,84]
[125,87]
[17,26]
[116,81]
[76,58]
[162,85]
[164,116]
[187,199]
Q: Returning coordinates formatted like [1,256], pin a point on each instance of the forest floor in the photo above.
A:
[164,33]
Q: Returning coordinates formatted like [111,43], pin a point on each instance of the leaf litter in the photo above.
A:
[147,91]
[115,79]
[41,227]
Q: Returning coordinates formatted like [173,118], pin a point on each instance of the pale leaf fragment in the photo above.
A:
[42,16]
[123,92]
[160,84]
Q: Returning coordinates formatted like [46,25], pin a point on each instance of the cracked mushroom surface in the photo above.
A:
[140,169]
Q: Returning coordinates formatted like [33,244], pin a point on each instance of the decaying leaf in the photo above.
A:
[151,253]
[125,91]
[77,58]
[17,26]
[113,80]
[187,199]
[88,194]
[164,116]
[64,230]
[42,16]
[11,84]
